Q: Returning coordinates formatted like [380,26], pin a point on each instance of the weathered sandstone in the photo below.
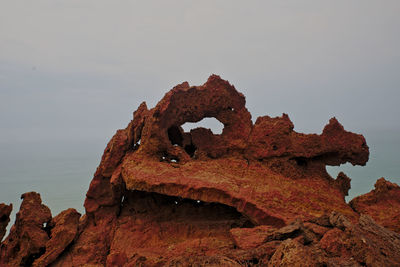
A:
[382,204]
[255,195]
[5,211]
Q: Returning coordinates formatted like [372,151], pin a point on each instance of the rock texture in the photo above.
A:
[255,195]
[265,171]
[382,204]
[28,236]
[5,211]
[63,230]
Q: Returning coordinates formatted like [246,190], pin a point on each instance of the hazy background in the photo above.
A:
[72,72]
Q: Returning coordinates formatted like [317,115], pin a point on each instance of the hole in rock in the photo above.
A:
[209,123]
[175,160]
[136,145]
[17,247]
[47,228]
[175,136]
[301,161]
[191,213]
[329,158]
[247,224]
[28,261]
[254,261]
[3,218]
[190,149]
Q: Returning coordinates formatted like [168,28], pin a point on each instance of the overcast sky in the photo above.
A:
[76,70]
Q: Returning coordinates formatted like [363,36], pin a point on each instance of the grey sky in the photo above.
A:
[76,70]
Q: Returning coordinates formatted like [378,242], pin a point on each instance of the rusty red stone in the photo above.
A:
[382,204]
[255,195]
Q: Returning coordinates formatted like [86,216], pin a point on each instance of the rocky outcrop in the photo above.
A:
[5,211]
[28,236]
[255,195]
[64,229]
[382,204]
[366,243]
[265,171]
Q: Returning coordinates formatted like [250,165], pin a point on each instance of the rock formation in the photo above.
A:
[5,211]
[28,236]
[255,195]
[382,204]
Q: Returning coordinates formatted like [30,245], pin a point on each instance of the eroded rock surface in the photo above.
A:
[382,204]
[64,228]
[28,236]
[265,171]
[5,211]
[255,195]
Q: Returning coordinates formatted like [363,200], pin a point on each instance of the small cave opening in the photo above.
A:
[174,135]
[301,161]
[180,135]
[30,258]
[136,145]
[3,218]
[194,212]
[190,149]
[211,123]
[254,261]
[47,228]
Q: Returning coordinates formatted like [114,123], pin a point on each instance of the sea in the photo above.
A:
[61,170]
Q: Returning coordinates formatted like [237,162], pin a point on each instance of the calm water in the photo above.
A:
[61,171]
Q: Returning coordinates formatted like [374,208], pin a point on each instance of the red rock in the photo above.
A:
[318,230]
[153,229]
[135,127]
[216,98]
[28,237]
[212,261]
[382,204]
[373,244]
[367,243]
[114,153]
[5,211]
[248,238]
[255,195]
[93,243]
[333,242]
[226,169]
[361,244]
[154,154]
[343,183]
[274,137]
[64,228]
[292,253]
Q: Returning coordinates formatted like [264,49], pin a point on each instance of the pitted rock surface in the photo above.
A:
[28,236]
[255,195]
[5,211]
[382,204]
